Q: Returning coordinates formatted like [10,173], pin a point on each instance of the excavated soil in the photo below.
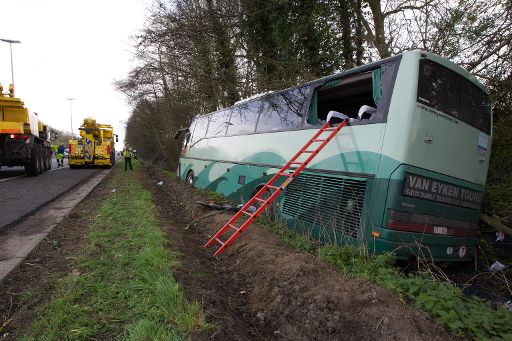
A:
[262,289]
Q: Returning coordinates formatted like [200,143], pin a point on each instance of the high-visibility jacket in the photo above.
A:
[127,152]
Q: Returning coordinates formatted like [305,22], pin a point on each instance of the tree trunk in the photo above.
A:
[378,22]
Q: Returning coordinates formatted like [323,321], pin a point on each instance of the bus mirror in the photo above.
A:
[179,131]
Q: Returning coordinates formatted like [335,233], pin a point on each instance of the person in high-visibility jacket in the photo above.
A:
[127,154]
[60,155]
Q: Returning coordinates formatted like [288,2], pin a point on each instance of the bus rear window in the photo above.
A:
[447,91]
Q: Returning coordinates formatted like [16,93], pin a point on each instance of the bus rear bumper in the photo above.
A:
[431,247]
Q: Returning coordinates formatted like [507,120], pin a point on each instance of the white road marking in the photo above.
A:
[21,176]
[14,177]
[59,168]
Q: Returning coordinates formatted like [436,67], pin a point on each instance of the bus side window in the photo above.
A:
[346,97]
[363,97]
[200,129]
[283,110]
[244,117]
[218,123]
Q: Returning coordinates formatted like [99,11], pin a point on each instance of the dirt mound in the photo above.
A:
[260,288]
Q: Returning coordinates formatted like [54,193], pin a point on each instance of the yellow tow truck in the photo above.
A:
[24,139]
[96,145]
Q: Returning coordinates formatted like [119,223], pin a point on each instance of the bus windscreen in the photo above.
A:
[445,90]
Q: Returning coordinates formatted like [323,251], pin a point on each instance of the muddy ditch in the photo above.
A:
[261,289]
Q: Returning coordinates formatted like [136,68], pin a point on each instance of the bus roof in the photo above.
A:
[359,69]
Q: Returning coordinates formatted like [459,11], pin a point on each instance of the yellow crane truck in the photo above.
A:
[24,139]
[96,146]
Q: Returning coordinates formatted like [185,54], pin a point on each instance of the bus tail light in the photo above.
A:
[408,226]
[422,223]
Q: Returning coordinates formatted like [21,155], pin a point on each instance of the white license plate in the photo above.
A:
[440,230]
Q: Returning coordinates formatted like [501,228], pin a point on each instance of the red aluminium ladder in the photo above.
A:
[274,190]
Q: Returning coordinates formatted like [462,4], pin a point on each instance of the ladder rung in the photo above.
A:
[309,151]
[296,163]
[233,227]
[220,241]
[247,213]
[329,129]
[273,187]
[285,174]
[318,140]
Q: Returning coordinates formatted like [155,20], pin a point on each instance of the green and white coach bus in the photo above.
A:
[406,174]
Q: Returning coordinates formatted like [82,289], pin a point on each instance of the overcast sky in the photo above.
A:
[70,49]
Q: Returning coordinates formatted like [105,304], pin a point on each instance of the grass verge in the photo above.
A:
[169,173]
[468,317]
[122,287]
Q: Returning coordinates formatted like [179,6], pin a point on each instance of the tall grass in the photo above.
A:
[124,288]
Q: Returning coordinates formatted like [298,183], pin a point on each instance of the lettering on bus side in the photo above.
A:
[437,113]
[434,190]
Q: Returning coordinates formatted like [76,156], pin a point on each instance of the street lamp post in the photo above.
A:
[71,114]
[10,48]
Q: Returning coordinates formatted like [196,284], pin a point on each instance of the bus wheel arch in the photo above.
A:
[190,177]
[257,189]
[272,209]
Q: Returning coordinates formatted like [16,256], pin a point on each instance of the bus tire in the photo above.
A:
[190,177]
[32,167]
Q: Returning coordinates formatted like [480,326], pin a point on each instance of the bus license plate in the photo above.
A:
[440,230]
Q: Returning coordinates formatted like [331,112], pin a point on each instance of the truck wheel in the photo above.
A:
[32,168]
[45,160]
[41,160]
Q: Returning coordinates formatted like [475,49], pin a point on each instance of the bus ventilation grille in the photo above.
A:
[326,202]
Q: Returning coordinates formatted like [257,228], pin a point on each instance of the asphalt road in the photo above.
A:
[20,194]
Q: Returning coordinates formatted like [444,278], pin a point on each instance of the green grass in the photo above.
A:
[126,289]
[215,197]
[169,173]
[468,317]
